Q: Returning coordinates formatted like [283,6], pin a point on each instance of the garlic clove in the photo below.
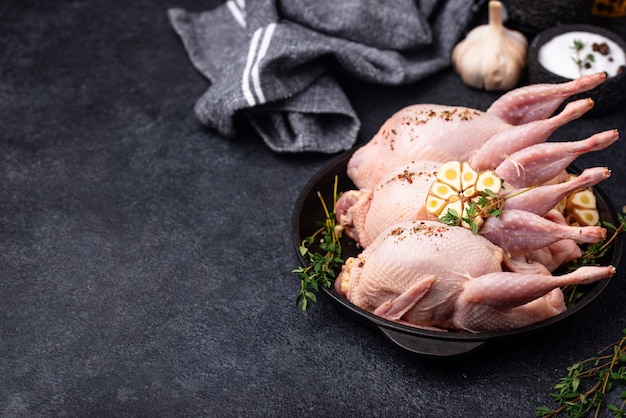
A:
[488,180]
[443,190]
[586,217]
[435,205]
[450,174]
[469,176]
[582,199]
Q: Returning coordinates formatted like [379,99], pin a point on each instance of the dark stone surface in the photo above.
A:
[145,262]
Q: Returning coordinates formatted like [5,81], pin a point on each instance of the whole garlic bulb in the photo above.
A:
[491,56]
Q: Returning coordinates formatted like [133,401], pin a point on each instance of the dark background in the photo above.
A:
[145,262]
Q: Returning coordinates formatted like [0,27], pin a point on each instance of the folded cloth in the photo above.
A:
[272,61]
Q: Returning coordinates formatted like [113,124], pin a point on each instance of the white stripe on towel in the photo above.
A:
[256,80]
[237,9]
[245,81]
[251,70]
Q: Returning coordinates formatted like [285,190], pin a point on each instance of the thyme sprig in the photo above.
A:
[586,387]
[581,62]
[588,382]
[591,254]
[322,267]
[489,204]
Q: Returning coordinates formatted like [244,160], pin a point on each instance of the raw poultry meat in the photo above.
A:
[401,196]
[553,255]
[410,270]
[401,189]
[517,120]
[518,231]
[412,273]
[539,163]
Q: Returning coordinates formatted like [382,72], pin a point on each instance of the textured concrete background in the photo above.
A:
[145,262]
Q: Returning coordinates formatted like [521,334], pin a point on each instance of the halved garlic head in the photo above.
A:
[581,208]
[463,196]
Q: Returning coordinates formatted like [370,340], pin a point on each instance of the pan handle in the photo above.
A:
[430,347]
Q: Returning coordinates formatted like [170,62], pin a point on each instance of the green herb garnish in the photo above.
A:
[581,62]
[489,204]
[322,268]
[450,218]
[588,382]
[591,254]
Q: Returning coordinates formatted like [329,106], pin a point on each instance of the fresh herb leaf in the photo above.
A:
[581,62]
[450,218]
[578,45]
[591,256]
[591,253]
[322,266]
[586,387]
[487,205]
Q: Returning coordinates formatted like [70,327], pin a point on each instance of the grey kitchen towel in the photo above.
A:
[274,61]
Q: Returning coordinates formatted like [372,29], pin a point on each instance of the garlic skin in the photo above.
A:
[491,56]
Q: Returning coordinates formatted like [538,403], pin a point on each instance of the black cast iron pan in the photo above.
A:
[308,211]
